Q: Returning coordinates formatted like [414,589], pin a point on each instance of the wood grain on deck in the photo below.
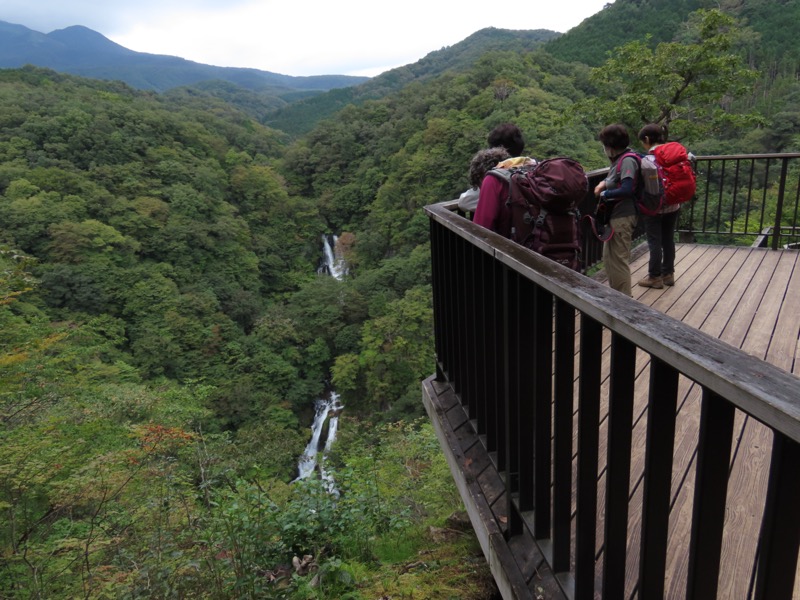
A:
[747,298]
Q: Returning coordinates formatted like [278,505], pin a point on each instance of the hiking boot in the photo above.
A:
[669,279]
[652,282]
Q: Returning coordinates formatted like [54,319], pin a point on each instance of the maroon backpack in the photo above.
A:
[543,199]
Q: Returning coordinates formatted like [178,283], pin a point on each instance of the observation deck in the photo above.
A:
[615,447]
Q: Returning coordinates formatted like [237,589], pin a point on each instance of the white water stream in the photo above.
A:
[333,262]
[313,459]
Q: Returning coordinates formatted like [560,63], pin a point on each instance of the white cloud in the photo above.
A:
[310,38]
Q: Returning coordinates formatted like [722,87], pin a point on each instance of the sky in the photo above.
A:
[312,37]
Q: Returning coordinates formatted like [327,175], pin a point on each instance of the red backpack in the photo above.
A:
[543,200]
[676,172]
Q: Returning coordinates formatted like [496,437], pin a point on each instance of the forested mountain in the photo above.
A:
[300,117]
[770,42]
[80,51]
[165,332]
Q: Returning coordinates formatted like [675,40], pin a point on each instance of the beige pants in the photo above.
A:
[617,254]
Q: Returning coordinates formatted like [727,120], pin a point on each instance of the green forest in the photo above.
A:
[164,330]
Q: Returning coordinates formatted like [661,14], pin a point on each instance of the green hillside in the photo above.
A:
[165,332]
[300,117]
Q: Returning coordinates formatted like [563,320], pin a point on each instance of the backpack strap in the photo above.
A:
[502,175]
[632,154]
[637,179]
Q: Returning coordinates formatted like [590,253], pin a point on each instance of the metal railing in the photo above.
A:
[520,340]
[742,198]
[747,199]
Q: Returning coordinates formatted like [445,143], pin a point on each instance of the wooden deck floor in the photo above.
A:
[747,297]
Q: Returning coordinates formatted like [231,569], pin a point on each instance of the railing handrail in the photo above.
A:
[760,389]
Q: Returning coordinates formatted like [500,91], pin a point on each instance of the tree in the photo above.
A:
[685,84]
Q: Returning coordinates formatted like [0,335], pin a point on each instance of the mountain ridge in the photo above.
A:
[78,50]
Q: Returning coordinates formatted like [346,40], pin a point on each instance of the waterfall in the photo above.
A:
[332,262]
[325,409]
[313,458]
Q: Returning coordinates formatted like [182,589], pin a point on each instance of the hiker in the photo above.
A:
[493,211]
[660,228]
[617,193]
[483,161]
[505,135]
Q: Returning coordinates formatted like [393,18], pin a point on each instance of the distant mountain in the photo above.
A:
[81,51]
[771,39]
[300,117]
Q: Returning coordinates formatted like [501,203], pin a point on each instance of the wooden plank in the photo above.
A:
[710,290]
[739,310]
[736,307]
[466,469]
[749,472]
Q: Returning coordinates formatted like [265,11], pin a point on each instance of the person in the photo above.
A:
[505,135]
[508,136]
[617,191]
[660,228]
[493,211]
[483,161]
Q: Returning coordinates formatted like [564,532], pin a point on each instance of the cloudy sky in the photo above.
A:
[309,37]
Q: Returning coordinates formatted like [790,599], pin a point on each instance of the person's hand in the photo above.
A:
[599,188]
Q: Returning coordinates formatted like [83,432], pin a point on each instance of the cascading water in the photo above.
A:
[325,409]
[333,262]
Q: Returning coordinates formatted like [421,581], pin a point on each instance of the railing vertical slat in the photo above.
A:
[437,284]
[765,186]
[530,336]
[733,200]
[796,206]
[620,426]
[468,390]
[460,339]
[543,399]
[491,361]
[711,486]
[780,529]
[779,207]
[451,323]
[481,324]
[498,333]
[563,399]
[591,352]
[720,196]
[511,376]
[750,191]
[657,477]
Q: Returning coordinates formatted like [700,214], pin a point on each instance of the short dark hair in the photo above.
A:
[483,161]
[509,136]
[654,133]
[615,136]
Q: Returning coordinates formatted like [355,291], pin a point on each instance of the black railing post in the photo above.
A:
[657,477]
[563,400]
[543,402]
[780,531]
[776,231]
[499,354]
[511,377]
[437,286]
[529,335]
[618,471]
[591,352]
[710,492]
